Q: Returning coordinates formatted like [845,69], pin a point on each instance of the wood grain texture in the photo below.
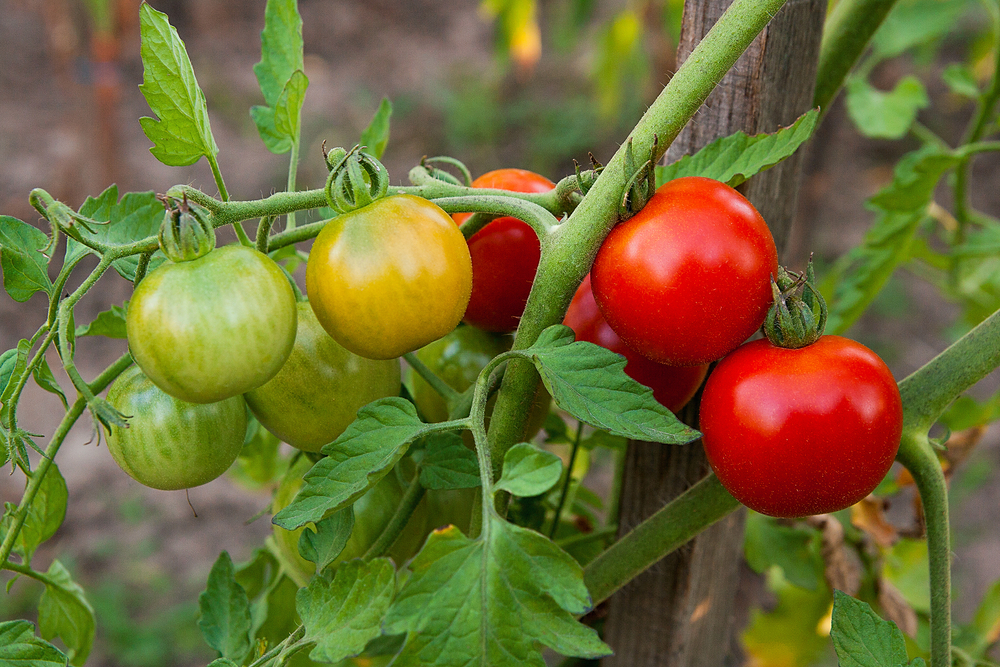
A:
[680,612]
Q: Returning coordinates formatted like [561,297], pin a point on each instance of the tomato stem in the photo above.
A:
[430,377]
[566,482]
[414,494]
[35,482]
[677,522]
[535,216]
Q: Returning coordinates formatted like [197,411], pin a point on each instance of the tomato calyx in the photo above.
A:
[185,233]
[356,179]
[442,175]
[798,316]
[586,179]
[640,184]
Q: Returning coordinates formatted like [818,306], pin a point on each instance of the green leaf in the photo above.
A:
[986,622]
[768,543]
[906,569]
[448,463]
[343,615]
[529,471]
[376,135]
[736,158]
[913,23]
[45,514]
[63,611]
[225,612]
[914,179]
[222,662]
[19,647]
[588,381]
[47,381]
[789,628]
[863,639]
[24,266]
[263,118]
[183,133]
[327,541]
[355,461]
[492,601]
[110,323]
[885,115]
[260,462]
[136,217]
[13,363]
[281,55]
[961,81]
[288,109]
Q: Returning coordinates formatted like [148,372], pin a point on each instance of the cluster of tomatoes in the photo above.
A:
[678,286]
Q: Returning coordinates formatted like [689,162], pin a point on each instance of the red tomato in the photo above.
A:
[504,257]
[673,386]
[687,279]
[792,433]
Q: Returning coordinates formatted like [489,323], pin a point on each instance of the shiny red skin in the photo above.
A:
[505,257]
[673,386]
[688,278]
[792,433]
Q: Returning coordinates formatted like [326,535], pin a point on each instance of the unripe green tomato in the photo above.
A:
[169,443]
[458,359]
[318,392]
[372,513]
[213,327]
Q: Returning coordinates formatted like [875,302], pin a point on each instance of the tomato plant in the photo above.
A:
[673,386]
[170,443]
[318,391]
[390,277]
[687,279]
[213,327]
[794,432]
[505,256]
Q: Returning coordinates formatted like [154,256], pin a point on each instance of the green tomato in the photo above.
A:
[169,443]
[213,327]
[372,513]
[318,392]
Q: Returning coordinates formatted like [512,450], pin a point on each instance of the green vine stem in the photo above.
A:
[535,216]
[293,169]
[446,392]
[414,494]
[846,34]
[977,126]
[76,409]
[264,232]
[680,520]
[569,478]
[569,250]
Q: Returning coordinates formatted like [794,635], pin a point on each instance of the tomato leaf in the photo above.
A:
[860,275]
[529,471]
[915,23]
[137,216]
[355,461]
[44,517]
[63,611]
[985,626]
[47,381]
[21,259]
[961,80]
[863,639]
[736,158]
[183,133]
[492,601]
[376,135]
[225,612]
[881,114]
[327,541]
[110,323]
[281,57]
[343,615]
[288,109]
[20,646]
[448,463]
[795,550]
[588,381]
